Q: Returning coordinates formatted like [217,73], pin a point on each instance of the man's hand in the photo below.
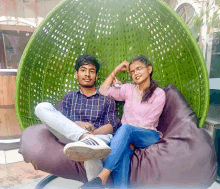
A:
[103,130]
[85,125]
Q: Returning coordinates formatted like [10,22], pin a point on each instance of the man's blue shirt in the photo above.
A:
[96,109]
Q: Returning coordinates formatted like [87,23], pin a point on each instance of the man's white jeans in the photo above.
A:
[67,131]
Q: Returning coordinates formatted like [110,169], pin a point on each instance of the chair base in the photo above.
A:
[45,181]
[218,179]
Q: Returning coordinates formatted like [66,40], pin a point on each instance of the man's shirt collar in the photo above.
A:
[96,91]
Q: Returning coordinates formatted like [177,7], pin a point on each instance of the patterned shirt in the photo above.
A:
[96,109]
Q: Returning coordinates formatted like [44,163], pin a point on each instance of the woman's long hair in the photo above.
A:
[153,83]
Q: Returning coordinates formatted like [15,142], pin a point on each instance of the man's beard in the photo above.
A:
[88,86]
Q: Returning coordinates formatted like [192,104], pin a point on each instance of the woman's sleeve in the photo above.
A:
[117,93]
[156,108]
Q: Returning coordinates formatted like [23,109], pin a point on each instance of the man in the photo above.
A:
[85,116]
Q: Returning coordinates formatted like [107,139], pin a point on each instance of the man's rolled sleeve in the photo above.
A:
[111,115]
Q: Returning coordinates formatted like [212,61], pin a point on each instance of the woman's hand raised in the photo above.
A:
[124,66]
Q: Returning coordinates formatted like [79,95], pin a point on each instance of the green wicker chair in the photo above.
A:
[113,31]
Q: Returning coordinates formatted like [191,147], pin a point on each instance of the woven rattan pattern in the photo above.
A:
[113,31]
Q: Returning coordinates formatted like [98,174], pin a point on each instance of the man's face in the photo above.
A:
[86,75]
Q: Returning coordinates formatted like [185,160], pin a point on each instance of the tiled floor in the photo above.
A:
[15,172]
[58,183]
[215,186]
[18,173]
[27,185]
[10,156]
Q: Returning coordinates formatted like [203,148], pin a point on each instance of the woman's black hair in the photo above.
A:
[153,83]
[87,58]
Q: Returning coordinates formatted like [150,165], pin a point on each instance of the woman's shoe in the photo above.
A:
[95,183]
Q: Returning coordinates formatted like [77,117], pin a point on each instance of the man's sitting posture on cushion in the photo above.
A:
[85,116]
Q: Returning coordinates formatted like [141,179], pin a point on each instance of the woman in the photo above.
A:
[144,102]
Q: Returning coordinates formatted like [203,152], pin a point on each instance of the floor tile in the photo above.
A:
[13,156]
[61,183]
[2,157]
[19,173]
[28,185]
[215,186]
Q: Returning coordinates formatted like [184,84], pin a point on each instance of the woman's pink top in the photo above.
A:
[146,114]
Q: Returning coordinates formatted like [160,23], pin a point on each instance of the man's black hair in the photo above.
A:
[87,58]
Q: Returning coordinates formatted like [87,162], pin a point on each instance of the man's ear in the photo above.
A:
[96,77]
[76,75]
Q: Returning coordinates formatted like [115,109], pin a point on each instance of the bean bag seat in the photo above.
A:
[185,156]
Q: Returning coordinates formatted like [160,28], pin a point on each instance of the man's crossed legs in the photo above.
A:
[69,132]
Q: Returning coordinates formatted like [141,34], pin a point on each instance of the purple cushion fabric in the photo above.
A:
[185,156]
[45,152]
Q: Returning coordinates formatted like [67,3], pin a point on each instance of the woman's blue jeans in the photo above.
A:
[118,161]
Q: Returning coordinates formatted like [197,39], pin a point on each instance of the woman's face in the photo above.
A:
[139,72]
